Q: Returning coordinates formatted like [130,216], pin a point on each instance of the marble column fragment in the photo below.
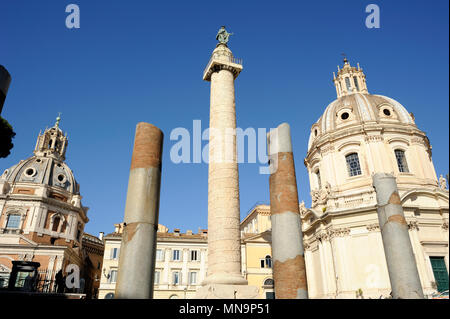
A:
[401,264]
[138,248]
[289,272]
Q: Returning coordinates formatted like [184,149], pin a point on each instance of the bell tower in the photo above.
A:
[52,143]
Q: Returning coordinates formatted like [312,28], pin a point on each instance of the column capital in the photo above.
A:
[222,59]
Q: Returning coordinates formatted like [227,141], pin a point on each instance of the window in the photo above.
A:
[401,161]
[268,282]
[319,181]
[193,278]
[440,273]
[176,278]
[356,83]
[114,253]
[270,295]
[268,261]
[387,112]
[194,255]
[345,116]
[347,83]
[176,255]
[56,221]
[157,276]
[113,276]
[159,255]
[353,166]
[13,221]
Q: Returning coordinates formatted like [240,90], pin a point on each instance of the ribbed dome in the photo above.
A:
[47,165]
[42,170]
[359,108]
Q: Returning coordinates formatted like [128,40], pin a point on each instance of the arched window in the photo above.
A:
[401,161]
[319,181]
[353,166]
[356,83]
[268,282]
[268,261]
[347,83]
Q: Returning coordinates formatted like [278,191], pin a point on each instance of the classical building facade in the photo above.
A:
[360,134]
[180,263]
[41,215]
[181,259]
[256,250]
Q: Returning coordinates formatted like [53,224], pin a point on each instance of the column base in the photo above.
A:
[220,291]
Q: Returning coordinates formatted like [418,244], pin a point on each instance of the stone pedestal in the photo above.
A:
[218,291]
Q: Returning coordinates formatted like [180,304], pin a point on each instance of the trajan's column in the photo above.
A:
[224,278]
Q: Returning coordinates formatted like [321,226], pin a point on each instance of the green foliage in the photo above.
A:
[6,136]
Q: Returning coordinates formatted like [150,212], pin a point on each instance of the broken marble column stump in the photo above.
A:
[138,248]
[289,272]
[401,264]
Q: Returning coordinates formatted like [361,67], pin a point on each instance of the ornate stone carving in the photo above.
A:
[413,225]
[442,182]
[373,227]
[320,197]
[338,232]
[445,226]
[302,209]
[26,257]
[326,149]
[4,268]
[373,138]
[323,235]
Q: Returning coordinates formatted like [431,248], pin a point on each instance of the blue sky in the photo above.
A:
[134,61]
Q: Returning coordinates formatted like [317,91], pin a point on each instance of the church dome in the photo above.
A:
[47,166]
[355,106]
[42,170]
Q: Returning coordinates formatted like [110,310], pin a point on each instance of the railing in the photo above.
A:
[223,57]
[40,284]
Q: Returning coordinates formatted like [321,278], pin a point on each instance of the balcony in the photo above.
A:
[217,59]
